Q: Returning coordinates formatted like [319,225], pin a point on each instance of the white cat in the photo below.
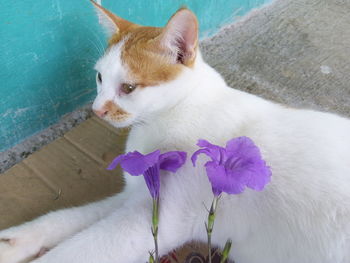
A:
[155,80]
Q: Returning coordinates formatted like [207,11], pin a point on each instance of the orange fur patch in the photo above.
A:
[115,113]
[149,65]
[148,62]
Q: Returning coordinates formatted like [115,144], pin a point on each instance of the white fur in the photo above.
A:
[303,215]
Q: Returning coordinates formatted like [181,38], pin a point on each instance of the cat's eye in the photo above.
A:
[127,88]
[99,77]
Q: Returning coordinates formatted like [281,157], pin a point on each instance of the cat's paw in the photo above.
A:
[20,244]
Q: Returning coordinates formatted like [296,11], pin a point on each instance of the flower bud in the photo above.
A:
[151,258]
[226,251]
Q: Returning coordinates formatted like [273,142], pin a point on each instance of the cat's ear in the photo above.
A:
[180,36]
[112,23]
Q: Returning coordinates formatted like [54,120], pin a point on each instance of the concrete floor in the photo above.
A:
[295,52]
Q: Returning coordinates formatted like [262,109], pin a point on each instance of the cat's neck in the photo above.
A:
[199,85]
[207,94]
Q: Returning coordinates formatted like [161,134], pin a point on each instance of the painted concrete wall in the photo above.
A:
[48,48]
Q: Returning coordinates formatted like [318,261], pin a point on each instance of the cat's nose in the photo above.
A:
[101,113]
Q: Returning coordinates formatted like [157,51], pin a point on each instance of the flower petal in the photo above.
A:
[152,180]
[205,144]
[243,147]
[223,181]
[198,152]
[236,182]
[136,163]
[260,176]
[115,162]
[257,173]
[215,152]
[172,161]
[216,175]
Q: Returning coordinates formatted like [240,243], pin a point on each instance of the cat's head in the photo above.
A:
[143,67]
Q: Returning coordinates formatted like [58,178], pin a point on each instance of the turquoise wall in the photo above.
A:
[48,49]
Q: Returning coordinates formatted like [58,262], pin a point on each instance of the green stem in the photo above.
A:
[209,247]
[155,227]
[210,224]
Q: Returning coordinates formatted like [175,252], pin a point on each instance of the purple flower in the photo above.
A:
[149,165]
[234,167]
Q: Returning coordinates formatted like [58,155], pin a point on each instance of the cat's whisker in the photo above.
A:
[100,46]
[96,47]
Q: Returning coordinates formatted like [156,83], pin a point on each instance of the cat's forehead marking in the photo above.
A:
[146,61]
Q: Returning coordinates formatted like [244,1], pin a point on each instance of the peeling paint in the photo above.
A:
[59,10]
[21,111]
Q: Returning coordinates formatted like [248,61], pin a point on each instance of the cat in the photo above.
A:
[155,80]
